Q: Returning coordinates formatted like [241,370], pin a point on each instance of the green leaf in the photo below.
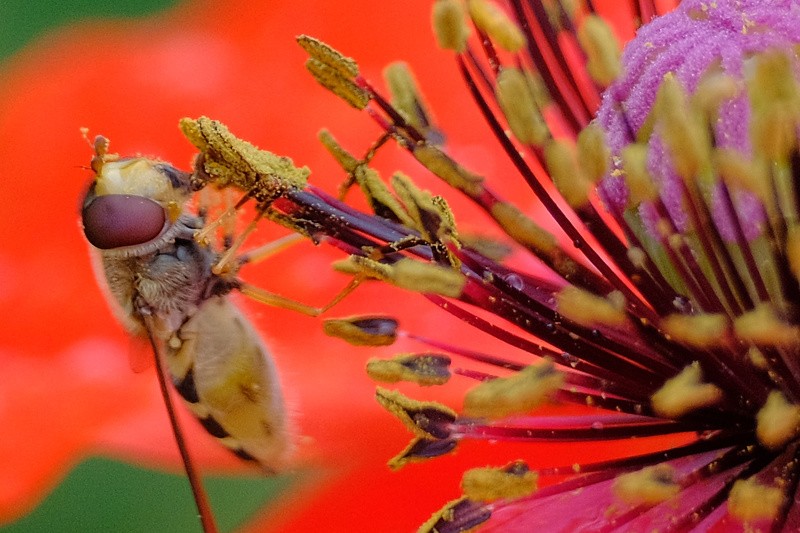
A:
[101,495]
[22,21]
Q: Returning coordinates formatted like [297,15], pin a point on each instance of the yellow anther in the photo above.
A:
[489,484]
[593,152]
[494,21]
[517,101]
[777,422]
[328,55]
[422,369]
[333,80]
[406,97]
[648,486]
[450,25]
[448,170]
[562,164]
[704,330]
[588,309]
[229,160]
[345,159]
[684,132]
[684,393]
[749,500]
[641,187]
[775,101]
[516,394]
[408,274]
[763,327]
[523,229]
[602,50]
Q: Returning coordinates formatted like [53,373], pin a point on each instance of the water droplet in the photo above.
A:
[515,281]
[597,425]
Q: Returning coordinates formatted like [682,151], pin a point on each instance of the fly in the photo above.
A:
[168,281]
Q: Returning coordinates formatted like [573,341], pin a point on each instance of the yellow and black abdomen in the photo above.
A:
[223,372]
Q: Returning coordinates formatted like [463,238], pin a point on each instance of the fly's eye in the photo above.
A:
[117,220]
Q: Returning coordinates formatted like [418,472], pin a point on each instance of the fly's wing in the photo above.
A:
[225,375]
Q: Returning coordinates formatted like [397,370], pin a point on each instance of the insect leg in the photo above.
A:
[196,483]
[276,300]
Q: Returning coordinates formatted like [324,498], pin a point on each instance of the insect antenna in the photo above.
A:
[198,491]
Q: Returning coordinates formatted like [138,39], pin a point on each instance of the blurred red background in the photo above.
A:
[65,387]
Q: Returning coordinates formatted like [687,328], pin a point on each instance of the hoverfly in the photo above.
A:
[166,281]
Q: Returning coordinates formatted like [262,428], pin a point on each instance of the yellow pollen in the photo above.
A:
[684,132]
[561,160]
[494,21]
[648,486]
[523,229]
[685,393]
[588,309]
[406,97]
[448,170]
[518,102]
[739,171]
[704,330]
[749,500]
[407,274]
[405,409]
[516,394]
[641,187]
[593,152]
[777,422]
[449,25]
[345,159]
[419,369]
[351,331]
[602,50]
[775,101]
[489,484]
[763,327]
[328,55]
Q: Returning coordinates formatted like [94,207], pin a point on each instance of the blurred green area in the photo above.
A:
[102,495]
[22,21]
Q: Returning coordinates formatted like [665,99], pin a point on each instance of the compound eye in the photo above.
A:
[117,220]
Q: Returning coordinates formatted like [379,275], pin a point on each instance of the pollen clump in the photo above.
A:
[763,327]
[777,422]
[588,309]
[422,369]
[489,484]
[516,98]
[775,100]
[562,162]
[407,274]
[363,330]
[494,21]
[448,170]
[427,420]
[523,229]
[682,131]
[705,330]
[516,394]
[334,71]
[648,486]
[749,500]
[449,25]
[230,161]
[685,393]
[602,50]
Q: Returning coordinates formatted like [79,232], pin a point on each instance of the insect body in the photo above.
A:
[137,217]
